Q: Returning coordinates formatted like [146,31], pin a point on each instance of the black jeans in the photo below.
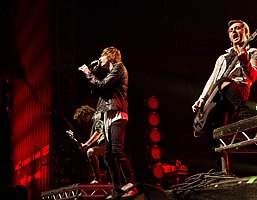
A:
[94,160]
[115,157]
[230,106]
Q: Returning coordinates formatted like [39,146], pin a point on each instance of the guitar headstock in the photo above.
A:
[70,133]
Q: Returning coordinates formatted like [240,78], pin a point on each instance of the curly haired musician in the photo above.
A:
[95,144]
[233,75]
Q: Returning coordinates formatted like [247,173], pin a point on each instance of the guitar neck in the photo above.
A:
[70,133]
[77,142]
[210,98]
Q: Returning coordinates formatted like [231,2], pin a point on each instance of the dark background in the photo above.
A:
[169,48]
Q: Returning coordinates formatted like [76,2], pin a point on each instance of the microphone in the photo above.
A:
[94,64]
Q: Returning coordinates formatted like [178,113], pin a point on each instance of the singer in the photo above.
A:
[113,103]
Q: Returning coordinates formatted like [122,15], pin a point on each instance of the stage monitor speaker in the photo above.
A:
[238,189]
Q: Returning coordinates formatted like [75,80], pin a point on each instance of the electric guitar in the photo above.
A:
[70,133]
[203,112]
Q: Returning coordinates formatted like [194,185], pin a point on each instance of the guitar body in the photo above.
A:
[201,117]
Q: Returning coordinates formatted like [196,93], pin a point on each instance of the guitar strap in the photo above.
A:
[230,57]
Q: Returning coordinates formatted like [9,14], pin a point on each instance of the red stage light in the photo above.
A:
[154,119]
[153,102]
[155,135]
[158,171]
[156,152]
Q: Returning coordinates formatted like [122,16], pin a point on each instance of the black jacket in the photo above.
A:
[112,90]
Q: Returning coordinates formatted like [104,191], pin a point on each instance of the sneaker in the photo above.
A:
[130,193]
[94,182]
[127,186]
[115,194]
[125,191]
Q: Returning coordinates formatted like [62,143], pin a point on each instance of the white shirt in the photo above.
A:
[112,116]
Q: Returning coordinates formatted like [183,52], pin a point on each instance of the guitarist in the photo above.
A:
[95,145]
[234,88]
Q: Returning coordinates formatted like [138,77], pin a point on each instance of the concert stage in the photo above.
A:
[205,186]
[238,138]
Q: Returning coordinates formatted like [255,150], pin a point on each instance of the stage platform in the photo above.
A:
[204,186]
[239,137]
[78,190]
[86,191]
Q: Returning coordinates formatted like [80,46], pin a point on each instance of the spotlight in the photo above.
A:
[156,152]
[155,135]
[158,171]
[154,119]
[153,102]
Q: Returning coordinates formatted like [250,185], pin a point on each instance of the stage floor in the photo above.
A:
[206,186]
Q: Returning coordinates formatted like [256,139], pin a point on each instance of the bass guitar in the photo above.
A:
[203,112]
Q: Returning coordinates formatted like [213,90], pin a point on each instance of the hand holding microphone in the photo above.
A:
[84,69]
[91,67]
[94,64]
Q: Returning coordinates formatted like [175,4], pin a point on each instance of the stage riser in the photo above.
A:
[145,192]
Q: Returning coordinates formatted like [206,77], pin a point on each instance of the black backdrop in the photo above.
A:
[169,49]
